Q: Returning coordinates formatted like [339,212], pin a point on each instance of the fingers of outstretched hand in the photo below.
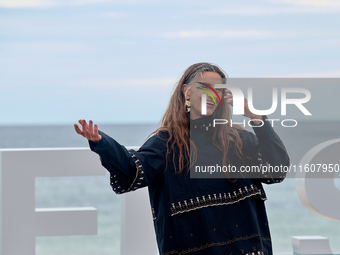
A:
[89,131]
[96,132]
[85,128]
[78,130]
[93,132]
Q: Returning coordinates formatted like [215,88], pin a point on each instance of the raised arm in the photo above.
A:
[129,169]
[265,148]
[267,151]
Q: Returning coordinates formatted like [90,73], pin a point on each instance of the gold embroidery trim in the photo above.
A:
[137,182]
[215,199]
[223,243]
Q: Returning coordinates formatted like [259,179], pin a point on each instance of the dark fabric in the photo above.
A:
[199,216]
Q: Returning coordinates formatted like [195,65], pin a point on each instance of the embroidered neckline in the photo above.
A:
[205,123]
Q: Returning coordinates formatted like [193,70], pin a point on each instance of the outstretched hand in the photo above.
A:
[88,131]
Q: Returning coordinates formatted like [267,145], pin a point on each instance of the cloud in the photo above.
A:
[114,15]
[273,10]
[52,3]
[322,74]
[130,83]
[308,6]
[328,3]
[26,3]
[231,34]
[47,47]
[275,7]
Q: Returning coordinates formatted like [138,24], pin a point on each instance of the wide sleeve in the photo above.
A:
[267,152]
[131,169]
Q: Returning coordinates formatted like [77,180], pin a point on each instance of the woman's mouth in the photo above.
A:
[210,104]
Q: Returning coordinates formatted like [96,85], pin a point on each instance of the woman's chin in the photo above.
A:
[210,111]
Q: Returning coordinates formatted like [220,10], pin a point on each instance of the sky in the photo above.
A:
[118,61]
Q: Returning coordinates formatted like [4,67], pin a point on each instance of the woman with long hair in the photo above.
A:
[199,206]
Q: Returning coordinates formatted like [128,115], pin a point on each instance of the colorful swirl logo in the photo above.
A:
[209,93]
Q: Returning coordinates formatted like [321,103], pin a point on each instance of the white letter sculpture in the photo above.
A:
[21,221]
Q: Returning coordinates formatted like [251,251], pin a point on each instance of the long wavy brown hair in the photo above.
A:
[176,122]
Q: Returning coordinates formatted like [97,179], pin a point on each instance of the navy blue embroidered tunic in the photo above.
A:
[200,216]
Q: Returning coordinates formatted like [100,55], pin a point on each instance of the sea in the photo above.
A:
[287,215]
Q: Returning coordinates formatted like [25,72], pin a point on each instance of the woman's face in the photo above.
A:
[200,85]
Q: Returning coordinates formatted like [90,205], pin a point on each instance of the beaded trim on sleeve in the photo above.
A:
[153,214]
[116,185]
[137,182]
[269,179]
[216,199]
